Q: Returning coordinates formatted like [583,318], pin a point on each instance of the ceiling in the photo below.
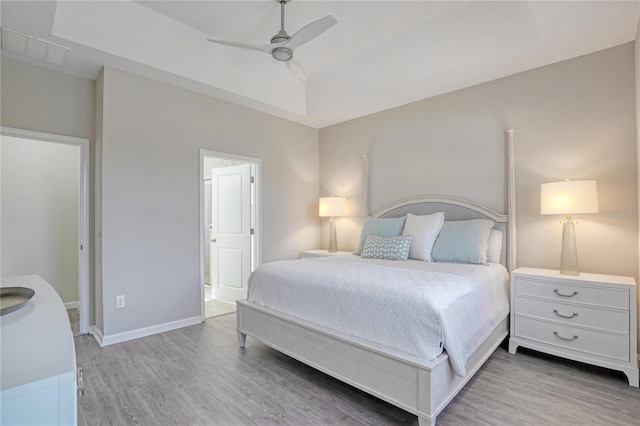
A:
[381,54]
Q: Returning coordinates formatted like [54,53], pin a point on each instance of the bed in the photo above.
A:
[409,378]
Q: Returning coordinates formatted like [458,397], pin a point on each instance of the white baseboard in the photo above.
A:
[143,332]
[97,334]
[72,305]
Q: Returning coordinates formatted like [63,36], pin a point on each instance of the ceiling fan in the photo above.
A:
[282,44]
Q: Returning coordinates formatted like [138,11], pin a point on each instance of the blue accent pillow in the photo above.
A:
[387,227]
[463,241]
[390,248]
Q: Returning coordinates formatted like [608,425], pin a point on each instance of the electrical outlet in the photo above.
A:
[120,301]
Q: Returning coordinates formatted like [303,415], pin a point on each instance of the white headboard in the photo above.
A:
[453,209]
[457,209]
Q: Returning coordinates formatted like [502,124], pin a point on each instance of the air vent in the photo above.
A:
[32,47]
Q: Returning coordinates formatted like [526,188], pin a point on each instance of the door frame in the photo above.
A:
[256,211]
[83,223]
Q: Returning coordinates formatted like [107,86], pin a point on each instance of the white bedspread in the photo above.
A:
[414,307]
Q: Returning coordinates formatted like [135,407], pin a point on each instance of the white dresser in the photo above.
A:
[589,318]
[37,359]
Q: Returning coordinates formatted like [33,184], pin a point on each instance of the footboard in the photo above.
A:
[419,387]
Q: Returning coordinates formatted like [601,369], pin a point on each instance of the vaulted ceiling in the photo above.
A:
[381,54]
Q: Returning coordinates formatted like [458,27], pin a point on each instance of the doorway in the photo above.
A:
[230,223]
[45,214]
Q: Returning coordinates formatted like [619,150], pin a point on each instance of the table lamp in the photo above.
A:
[332,207]
[567,198]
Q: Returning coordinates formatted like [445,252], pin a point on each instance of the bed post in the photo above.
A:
[511,202]
[365,187]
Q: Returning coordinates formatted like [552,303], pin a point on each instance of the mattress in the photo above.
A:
[414,307]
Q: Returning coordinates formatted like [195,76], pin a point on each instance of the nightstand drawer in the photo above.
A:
[595,296]
[598,318]
[575,339]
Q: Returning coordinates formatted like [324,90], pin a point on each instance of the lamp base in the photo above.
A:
[333,239]
[569,259]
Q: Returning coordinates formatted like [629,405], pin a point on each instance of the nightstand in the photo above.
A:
[589,318]
[322,253]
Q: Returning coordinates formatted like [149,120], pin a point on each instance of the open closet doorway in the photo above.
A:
[45,215]
[230,219]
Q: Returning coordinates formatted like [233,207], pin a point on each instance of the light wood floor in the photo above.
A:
[198,376]
[214,308]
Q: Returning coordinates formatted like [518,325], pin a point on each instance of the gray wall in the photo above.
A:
[574,119]
[151,135]
[40,212]
[38,99]
[35,98]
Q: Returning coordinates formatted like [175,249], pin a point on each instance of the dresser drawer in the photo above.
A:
[595,296]
[571,314]
[576,339]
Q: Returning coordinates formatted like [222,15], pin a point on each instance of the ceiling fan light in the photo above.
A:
[282,54]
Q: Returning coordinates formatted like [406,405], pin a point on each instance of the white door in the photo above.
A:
[230,232]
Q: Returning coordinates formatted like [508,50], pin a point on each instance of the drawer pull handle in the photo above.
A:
[555,311]
[565,338]
[555,290]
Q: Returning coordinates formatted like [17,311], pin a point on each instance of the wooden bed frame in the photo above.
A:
[421,387]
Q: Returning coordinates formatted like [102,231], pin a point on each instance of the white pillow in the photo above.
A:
[424,230]
[495,246]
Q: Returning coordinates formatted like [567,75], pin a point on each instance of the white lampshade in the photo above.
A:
[331,206]
[569,197]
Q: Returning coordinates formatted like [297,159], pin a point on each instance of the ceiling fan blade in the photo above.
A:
[310,31]
[266,48]
[297,70]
